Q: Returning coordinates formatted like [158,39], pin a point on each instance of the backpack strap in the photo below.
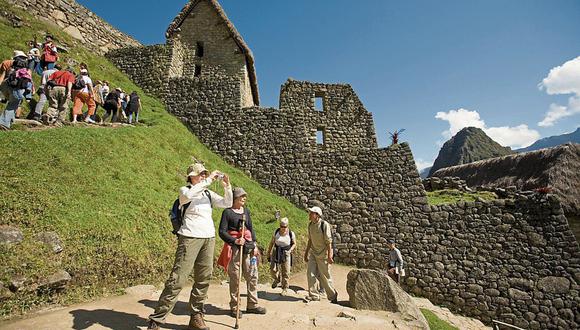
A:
[208,194]
[291,237]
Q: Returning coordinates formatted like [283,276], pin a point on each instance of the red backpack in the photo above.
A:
[49,55]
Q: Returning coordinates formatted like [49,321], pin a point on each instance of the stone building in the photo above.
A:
[320,148]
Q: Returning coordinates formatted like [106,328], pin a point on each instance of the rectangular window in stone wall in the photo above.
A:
[319,101]
[197,72]
[199,49]
[320,136]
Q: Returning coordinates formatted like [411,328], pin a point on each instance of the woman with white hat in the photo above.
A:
[284,242]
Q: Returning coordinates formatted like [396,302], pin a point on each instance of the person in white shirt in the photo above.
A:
[283,242]
[195,246]
[84,95]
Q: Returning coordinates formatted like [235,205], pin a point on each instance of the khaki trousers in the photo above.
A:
[57,103]
[252,282]
[318,271]
[192,254]
[281,272]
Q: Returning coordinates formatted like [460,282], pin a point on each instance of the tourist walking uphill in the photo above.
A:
[15,78]
[195,245]
[239,241]
[319,256]
[284,243]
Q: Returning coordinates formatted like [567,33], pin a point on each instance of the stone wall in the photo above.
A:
[436,183]
[79,22]
[513,261]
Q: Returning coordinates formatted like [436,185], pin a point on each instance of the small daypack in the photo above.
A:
[176,213]
[79,83]
[19,78]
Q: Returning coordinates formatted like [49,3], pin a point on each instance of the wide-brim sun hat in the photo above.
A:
[196,169]
[18,53]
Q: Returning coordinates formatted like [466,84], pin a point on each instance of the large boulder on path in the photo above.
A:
[375,290]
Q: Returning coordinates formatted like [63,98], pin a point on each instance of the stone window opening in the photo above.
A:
[199,50]
[320,136]
[197,72]
[319,101]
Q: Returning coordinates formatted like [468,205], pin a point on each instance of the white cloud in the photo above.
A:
[459,119]
[564,79]
[421,164]
[515,137]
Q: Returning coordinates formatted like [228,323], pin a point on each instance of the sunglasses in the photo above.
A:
[283,226]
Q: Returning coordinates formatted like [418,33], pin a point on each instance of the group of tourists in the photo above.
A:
[240,253]
[58,87]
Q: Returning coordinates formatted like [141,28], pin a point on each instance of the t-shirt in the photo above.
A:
[320,237]
[88,81]
[62,78]
[284,241]
[45,76]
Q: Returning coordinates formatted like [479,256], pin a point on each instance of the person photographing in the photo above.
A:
[195,245]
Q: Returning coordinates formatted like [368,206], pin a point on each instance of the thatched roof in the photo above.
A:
[188,8]
[557,167]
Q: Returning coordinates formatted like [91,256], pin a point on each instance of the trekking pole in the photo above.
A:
[240,269]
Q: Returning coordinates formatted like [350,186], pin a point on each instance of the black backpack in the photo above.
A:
[79,83]
[176,215]
[19,63]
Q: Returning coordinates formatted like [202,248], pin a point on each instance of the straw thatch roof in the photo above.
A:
[557,167]
[188,8]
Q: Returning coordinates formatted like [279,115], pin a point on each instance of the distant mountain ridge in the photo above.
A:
[468,145]
[553,141]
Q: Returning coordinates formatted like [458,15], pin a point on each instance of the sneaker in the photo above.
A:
[233,313]
[153,325]
[90,121]
[284,292]
[275,284]
[197,323]
[313,298]
[256,310]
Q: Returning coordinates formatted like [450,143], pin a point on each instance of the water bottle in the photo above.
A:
[254,266]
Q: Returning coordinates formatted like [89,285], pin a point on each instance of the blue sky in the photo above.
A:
[476,63]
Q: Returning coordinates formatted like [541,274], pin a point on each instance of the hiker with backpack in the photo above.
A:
[319,256]
[195,244]
[49,53]
[284,241]
[83,88]
[133,107]
[43,91]
[59,93]
[16,78]
[236,242]
[112,105]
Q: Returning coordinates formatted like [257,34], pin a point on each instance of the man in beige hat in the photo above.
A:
[195,245]
[319,256]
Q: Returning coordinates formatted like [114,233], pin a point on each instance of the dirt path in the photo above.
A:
[291,312]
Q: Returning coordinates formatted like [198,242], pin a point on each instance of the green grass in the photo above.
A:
[449,196]
[435,323]
[106,192]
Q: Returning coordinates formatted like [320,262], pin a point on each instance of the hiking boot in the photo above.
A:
[153,325]
[256,310]
[335,299]
[233,313]
[284,292]
[197,323]
[275,283]
[312,298]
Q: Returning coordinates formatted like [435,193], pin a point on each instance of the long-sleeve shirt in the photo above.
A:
[197,221]
[320,237]
[395,258]
[233,221]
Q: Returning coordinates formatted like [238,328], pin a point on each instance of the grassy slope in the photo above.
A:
[435,323]
[105,191]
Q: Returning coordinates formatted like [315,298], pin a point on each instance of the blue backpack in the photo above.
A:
[176,215]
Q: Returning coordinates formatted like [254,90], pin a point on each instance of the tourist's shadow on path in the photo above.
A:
[270,296]
[83,319]
[182,308]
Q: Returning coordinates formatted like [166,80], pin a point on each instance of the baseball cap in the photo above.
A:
[316,209]
[196,169]
[284,222]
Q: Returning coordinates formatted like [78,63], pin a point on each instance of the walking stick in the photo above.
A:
[240,269]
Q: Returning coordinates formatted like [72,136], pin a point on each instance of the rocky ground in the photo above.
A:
[289,312]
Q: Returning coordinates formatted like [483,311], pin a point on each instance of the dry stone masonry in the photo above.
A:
[78,22]
[515,261]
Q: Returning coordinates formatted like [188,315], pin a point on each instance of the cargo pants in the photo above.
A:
[318,272]
[251,281]
[193,254]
